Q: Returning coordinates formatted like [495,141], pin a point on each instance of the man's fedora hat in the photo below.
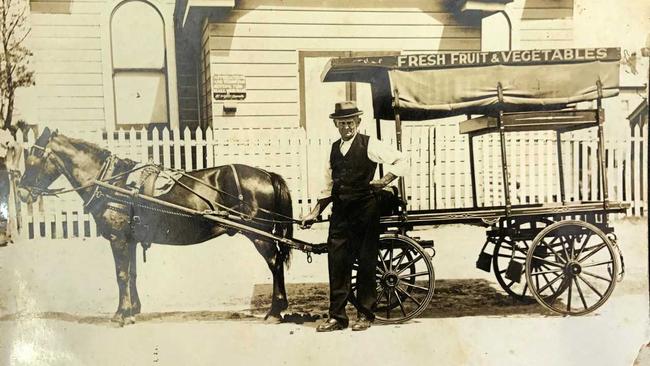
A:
[346,109]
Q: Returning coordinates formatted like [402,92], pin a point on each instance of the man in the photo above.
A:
[8,155]
[354,225]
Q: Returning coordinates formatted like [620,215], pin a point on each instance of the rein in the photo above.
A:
[47,153]
[61,168]
[240,198]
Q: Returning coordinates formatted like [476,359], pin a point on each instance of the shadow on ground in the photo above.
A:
[452,298]
[309,301]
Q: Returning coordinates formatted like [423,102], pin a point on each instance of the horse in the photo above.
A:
[258,196]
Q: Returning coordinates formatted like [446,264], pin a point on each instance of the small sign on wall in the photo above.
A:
[228,87]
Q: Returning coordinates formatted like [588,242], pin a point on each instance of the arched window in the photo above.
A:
[139,64]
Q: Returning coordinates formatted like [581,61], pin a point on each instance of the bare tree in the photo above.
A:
[14,56]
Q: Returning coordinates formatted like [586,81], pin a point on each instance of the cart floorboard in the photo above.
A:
[489,214]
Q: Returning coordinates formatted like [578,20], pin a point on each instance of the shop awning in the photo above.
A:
[432,86]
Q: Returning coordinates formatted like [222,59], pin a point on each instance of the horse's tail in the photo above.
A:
[283,207]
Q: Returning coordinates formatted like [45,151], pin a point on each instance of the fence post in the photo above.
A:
[644,168]
[166,147]
[200,147]
[187,149]
[636,163]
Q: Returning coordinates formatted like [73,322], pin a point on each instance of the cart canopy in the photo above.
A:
[439,85]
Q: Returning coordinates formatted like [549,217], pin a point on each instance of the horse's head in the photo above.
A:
[41,168]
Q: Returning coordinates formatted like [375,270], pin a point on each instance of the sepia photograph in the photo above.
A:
[302,182]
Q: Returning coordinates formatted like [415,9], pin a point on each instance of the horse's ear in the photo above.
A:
[44,137]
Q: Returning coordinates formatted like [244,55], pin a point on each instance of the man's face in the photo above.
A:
[347,126]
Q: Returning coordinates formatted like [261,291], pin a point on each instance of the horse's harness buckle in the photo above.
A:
[240,196]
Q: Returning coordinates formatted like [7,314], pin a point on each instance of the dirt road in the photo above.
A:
[203,305]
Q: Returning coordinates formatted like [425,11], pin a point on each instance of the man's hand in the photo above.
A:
[383,181]
[308,220]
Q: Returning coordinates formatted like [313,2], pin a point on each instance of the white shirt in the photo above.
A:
[394,161]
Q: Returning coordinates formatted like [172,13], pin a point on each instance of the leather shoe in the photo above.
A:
[362,323]
[330,325]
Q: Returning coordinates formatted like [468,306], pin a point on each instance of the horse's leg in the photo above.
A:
[275,261]
[120,250]
[133,274]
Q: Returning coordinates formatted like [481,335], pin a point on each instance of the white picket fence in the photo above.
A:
[439,176]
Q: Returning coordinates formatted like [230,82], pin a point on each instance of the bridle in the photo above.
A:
[46,154]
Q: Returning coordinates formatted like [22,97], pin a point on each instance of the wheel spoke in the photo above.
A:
[390,260]
[417,258]
[401,258]
[546,278]
[401,305]
[590,286]
[525,289]
[557,256]
[568,303]
[383,263]
[596,276]
[548,262]
[566,253]
[415,286]
[510,284]
[414,275]
[596,264]
[409,296]
[582,297]
[381,295]
[584,244]
[593,251]
[545,272]
[571,241]
[552,243]
[510,256]
[388,304]
[383,257]
[549,283]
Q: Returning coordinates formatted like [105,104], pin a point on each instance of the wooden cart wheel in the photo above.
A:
[514,283]
[405,279]
[571,267]
[503,255]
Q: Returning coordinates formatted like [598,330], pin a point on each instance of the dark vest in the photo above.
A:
[352,173]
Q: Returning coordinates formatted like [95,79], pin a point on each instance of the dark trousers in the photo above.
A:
[353,234]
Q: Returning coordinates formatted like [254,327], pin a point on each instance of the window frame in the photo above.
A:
[167,71]
[350,87]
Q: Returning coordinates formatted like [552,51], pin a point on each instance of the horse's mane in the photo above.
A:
[88,147]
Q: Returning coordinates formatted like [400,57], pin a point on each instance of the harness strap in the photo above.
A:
[207,201]
[147,180]
[242,202]
[238,184]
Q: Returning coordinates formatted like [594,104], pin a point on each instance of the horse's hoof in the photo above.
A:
[118,320]
[273,319]
[130,320]
[282,304]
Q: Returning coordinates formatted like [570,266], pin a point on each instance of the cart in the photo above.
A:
[563,254]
